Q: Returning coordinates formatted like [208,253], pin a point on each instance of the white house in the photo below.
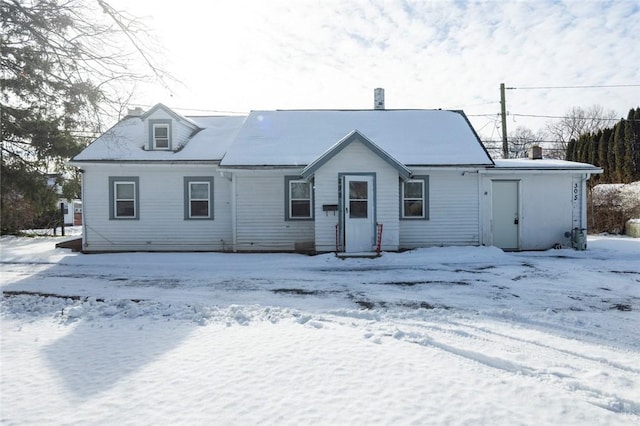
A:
[71,208]
[351,181]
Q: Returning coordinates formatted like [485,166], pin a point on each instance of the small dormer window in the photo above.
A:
[161,136]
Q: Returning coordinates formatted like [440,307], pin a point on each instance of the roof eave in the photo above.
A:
[173,114]
[354,135]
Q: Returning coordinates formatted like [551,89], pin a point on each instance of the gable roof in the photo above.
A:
[411,137]
[171,113]
[126,141]
[300,137]
[346,141]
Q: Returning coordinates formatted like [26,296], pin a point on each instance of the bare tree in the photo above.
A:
[578,121]
[63,67]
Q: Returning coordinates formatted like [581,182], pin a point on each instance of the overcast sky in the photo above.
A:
[242,55]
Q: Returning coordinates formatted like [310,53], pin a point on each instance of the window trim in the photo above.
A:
[188,180]
[153,124]
[425,195]
[288,180]
[113,181]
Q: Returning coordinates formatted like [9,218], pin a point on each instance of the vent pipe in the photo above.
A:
[378,98]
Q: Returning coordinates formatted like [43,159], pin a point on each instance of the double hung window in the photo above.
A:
[161,136]
[124,197]
[414,198]
[198,197]
[299,201]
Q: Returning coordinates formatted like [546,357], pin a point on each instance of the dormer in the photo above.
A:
[167,130]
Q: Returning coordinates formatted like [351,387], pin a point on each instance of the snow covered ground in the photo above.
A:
[467,335]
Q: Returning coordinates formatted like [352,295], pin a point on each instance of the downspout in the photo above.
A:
[583,203]
[481,201]
[84,216]
[234,231]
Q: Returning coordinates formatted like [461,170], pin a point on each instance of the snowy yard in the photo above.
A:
[468,335]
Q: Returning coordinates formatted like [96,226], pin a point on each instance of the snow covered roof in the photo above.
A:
[412,137]
[544,164]
[126,141]
[297,137]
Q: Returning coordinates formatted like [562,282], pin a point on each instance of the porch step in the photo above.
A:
[74,244]
[359,255]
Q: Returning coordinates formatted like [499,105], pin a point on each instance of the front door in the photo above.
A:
[505,214]
[358,214]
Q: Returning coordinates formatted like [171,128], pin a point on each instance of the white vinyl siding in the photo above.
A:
[453,212]
[161,225]
[546,207]
[261,218]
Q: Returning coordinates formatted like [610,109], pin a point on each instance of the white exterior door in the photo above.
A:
[358,214]
[505,214]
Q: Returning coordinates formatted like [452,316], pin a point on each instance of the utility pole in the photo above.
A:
[503,113]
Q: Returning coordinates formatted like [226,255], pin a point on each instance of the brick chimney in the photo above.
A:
[535,153]
[378,98]
[135,112]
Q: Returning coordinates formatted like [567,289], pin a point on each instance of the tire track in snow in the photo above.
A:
[567,382]
[460,330]
[601,360]
[460,343]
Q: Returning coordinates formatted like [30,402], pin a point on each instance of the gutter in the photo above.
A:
[546,170]
[78,163]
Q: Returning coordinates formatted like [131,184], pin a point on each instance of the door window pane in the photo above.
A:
[358,190]
[358,209]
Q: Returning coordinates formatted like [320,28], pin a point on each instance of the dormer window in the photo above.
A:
[160,135]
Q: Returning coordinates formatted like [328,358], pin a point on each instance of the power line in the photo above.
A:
[551,116]
[558,116]
[611,86]
[197,109]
